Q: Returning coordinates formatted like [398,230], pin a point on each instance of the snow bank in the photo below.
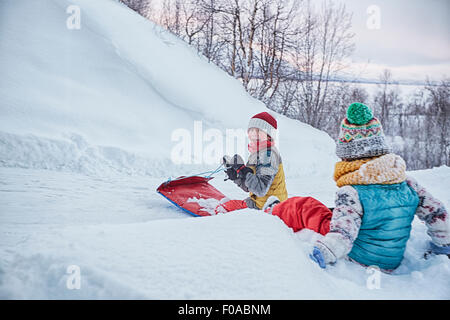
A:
[130,243]
[245,255]
[86,119]
[436,181]
[121,89]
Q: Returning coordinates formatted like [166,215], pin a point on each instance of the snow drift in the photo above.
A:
[109,96]
[86,120]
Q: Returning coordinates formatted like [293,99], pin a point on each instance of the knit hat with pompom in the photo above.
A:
[361,135]
[266,122]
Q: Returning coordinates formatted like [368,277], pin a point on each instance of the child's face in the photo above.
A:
[255,134]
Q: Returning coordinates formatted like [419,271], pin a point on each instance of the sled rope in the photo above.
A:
[211,173]
[219,168]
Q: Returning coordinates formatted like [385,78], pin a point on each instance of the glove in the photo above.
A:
[231,173]
[242,173]
[434,249]
[318,258]
[233,165]
[322,255]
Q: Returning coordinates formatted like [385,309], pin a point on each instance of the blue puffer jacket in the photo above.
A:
[386,224]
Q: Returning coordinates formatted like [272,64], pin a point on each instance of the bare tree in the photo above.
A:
[438,122]
[320,51]
[143,7]
[277,28]
[194,19]
[386,99]
[170,16]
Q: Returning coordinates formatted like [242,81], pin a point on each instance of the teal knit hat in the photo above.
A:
[361,134]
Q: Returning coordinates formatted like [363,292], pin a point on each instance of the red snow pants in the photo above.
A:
[297,213]
[232,205]
[304,212]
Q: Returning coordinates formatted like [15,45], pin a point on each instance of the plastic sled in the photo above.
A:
[187,192]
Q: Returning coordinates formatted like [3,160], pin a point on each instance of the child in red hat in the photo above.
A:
[263,174]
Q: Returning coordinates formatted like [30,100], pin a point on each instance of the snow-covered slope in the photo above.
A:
[130,243]
[86,119]
[109,96]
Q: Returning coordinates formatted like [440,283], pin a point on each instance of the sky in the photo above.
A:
[409,37]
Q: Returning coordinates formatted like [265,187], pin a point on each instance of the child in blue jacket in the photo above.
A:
[376,201]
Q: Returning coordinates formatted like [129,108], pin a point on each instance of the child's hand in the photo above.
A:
[235,161]
[242,173]
[322,255]
[233,165]
[231,173]
[318,258]
[435,250]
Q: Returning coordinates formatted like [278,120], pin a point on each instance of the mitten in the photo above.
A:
[434,249]
[322,255]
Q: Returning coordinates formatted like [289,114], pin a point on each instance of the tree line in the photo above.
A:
[289,53]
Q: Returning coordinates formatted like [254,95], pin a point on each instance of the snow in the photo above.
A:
[85,139]
[130,243]
[100,100]
[210,205]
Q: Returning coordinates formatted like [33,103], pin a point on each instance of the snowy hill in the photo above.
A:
[86,121]
[108,97]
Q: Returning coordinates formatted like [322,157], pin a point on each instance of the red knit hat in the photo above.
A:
[265,122]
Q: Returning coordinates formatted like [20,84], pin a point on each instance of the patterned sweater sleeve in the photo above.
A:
[433,213]
[265,171]
[344,226]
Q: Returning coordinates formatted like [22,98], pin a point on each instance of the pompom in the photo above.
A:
[359,114]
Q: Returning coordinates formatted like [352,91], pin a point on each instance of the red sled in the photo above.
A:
[187,192]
